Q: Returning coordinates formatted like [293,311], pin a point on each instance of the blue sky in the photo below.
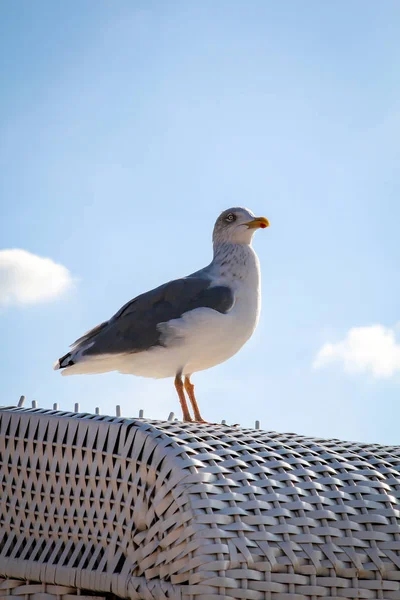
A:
[125,128]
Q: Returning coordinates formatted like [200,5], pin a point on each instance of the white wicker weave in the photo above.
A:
[155,510]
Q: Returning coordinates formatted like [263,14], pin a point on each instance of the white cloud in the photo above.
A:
[29,279]
[370,349]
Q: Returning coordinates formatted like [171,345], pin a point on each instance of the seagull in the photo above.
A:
[186,325]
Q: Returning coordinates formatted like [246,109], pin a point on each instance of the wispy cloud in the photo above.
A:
[26,278]
[372,349]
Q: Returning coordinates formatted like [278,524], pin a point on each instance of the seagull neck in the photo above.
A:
[235,262]
[226,251]
[223,250]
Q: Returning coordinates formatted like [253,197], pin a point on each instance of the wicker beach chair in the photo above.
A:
[110,507]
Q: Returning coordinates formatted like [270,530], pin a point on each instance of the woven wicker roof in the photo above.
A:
[154,509]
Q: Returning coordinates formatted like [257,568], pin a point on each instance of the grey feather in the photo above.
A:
[134,328]
[89,335]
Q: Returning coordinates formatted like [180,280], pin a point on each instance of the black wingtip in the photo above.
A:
[65,361]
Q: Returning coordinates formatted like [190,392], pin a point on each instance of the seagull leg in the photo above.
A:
[182,399]
[189,387]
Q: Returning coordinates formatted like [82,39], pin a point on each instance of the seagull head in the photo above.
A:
[237,226]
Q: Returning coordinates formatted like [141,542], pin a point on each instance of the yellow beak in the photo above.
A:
[258,222]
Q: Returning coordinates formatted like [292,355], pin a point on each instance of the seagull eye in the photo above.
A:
[230,218]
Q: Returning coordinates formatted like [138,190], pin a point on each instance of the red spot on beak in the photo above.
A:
[262,225]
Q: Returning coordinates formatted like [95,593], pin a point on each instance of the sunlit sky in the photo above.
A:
[126,127]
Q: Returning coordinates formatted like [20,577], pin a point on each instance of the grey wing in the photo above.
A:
[134,328]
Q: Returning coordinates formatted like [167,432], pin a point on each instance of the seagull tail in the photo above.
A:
[73,363]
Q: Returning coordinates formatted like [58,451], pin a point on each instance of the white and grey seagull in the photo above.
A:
[185,325]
